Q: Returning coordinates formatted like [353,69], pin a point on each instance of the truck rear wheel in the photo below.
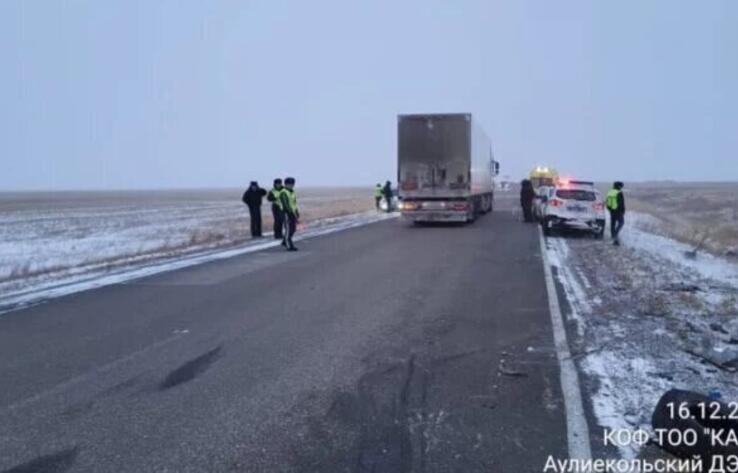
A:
[473,209]
[487,203]
[472,215]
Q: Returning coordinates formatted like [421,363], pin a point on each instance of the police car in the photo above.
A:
[575,205]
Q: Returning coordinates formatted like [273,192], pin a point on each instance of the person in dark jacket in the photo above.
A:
[527,194]
[615,202]
[274,196]
[253,198]
[387,192]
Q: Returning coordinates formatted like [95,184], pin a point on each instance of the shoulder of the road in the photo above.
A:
[576,422]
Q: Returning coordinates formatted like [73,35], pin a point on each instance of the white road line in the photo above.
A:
[25,299]
[576,422]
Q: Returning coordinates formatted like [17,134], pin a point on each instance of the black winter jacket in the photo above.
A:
[253,196]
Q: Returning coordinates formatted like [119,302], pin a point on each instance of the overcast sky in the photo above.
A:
[145,94]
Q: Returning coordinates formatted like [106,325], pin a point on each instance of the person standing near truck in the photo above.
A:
[615,202]
[527,194]
[378,191]
[291,212]
[253,198]
[387,191]
[274,196]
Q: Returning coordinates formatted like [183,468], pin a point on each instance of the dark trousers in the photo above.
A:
[617,220]
[527,211]
[290,229]
[377,201]
[389,203]
[278,216]
[255,214]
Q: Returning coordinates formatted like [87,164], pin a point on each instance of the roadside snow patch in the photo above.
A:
[707,265]
[648,319]
[73,281]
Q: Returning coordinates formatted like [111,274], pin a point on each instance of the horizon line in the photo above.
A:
[308,186]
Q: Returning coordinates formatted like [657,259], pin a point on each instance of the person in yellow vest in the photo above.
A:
[277,212]
[615,203]
[378,193]
[291,212]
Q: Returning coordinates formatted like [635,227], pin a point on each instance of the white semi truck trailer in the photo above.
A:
[445,168]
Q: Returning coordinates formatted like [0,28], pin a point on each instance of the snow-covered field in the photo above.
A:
[647,318]
[51,239]
[693,213]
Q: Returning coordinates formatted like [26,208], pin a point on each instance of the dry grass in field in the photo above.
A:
[694,213]
[42,234]
[314,203]
[317,203]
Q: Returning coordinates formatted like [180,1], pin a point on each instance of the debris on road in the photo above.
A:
[646,319]
[724,359]
[681,287]
[503,370]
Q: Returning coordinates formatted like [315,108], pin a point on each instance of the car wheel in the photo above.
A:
[600,232]
[546,224]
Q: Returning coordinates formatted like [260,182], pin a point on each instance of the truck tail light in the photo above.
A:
[599,206]
[557,203]
[461,206]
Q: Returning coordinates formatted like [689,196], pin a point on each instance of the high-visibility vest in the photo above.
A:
[378,191]
[277,195]
[611,200]
[291,200]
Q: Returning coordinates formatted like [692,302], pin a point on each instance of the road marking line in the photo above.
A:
[576,422]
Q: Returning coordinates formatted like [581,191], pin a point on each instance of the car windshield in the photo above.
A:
[576,194]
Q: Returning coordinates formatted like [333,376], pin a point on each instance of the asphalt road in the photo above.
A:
[385,348]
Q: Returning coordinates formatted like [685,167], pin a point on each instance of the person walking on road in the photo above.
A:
[615,202]
[387,192]
[253,198]
[527,194]
[274,196]
[378,191]
[291,212]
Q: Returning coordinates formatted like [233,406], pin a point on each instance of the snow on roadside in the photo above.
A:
[72,281]
[638,236]
[639,309]
[572,287]
[620,394]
